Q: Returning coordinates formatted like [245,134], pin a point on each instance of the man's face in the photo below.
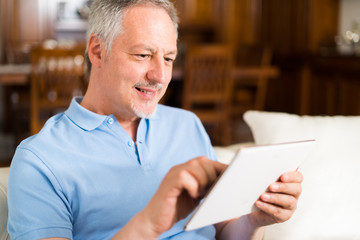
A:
[138,68]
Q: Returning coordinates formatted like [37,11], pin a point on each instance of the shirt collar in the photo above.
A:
[82,117]
[86,119]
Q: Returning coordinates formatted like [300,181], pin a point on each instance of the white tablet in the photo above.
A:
[248,175]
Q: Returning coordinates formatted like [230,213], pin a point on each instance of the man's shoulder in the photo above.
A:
[46,136]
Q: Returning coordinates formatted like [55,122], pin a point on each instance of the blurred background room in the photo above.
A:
[295,56]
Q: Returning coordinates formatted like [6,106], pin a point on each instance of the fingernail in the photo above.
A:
[275,186]
[285,177]
[266,196]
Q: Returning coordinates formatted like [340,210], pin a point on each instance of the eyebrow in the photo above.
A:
[150,49]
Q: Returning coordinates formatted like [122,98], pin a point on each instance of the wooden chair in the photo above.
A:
[56,76]
[251,74]
[207,89]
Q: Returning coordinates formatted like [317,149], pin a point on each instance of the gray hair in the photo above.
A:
[105,19]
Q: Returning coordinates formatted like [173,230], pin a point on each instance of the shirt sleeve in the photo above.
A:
[37,206]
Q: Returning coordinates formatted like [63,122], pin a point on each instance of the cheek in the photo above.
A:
[122,67]
[125,77]
[133,73]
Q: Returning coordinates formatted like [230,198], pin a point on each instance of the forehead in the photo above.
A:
[147,24]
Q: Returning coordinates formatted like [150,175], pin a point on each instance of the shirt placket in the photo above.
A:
[130,145]
[142,146]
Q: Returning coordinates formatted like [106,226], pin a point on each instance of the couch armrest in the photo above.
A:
[4,174]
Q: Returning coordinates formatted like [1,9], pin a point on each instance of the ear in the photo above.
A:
[95,50]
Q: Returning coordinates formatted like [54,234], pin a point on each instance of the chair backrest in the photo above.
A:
[56,76]
[207,88]
[251,73]
[207,75]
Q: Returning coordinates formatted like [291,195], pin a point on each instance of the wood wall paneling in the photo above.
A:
[323,24]
[296,30]
[27,22]
[284,25]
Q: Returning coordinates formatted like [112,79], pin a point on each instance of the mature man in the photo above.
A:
[115,164]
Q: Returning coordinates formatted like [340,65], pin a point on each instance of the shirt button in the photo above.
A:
[130,143]
[110,121]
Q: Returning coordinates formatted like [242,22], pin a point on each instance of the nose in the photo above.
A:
[158,72]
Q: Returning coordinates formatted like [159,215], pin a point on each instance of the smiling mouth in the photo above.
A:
[148,88]
[144,91]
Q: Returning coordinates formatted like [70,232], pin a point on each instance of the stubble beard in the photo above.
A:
[141,113]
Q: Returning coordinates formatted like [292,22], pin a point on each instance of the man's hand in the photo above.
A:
[179,193]
[276,205]
[280,201]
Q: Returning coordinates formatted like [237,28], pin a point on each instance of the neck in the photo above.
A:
[95,101]
[131,127]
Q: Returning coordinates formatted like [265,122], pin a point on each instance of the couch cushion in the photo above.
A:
[328,207]
[226,154]
[4,173]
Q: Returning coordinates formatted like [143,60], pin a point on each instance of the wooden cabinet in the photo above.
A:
[33,21]
[296,30]
[27,22]
[197,21]
[330,85]
[296,26]
[199,13]
[299,26]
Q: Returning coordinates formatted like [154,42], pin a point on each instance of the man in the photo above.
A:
[116,165]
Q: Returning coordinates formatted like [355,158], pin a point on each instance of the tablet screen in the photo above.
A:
[248,175]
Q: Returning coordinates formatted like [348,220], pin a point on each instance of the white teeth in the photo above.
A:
[144,91]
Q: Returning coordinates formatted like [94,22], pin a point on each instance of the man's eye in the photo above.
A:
[169,60]
[142,56]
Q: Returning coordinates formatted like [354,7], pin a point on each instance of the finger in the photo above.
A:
[219,167]
[277,213]
[193,176]
[209,168]
[212,168]
[294,176]
[198,169]
[281,200]
[186,180]
[293,189]
[205,171]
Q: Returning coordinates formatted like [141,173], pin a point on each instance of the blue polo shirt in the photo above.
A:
[83,177]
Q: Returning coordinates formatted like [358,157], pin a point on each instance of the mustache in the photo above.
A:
[157,86]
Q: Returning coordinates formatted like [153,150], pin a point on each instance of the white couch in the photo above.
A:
[329,207]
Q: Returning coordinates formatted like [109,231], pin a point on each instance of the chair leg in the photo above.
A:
[225,130]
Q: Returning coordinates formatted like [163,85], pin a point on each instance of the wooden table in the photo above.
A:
[14,74]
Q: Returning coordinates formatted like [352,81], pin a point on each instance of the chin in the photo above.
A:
[147,112]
